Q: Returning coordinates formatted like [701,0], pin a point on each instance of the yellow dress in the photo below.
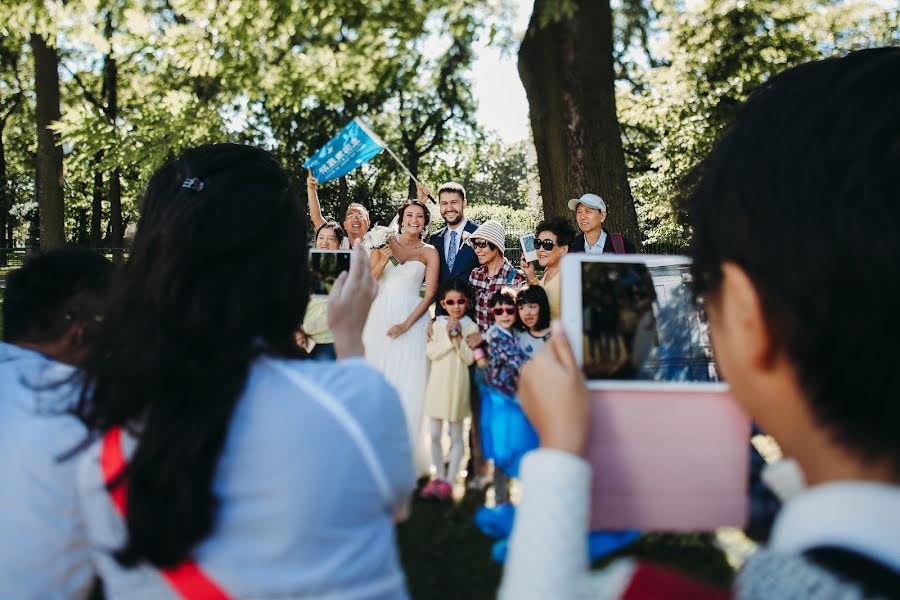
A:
[315,323]
[447,392]
[554,293]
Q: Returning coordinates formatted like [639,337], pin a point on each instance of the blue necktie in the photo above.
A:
[451,252]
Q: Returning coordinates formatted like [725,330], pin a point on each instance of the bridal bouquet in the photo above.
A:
[378,237]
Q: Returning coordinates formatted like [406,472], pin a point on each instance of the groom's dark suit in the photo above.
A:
[465,256]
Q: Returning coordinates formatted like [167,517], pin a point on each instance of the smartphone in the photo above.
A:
[668,445]
[529,253]
[324,267]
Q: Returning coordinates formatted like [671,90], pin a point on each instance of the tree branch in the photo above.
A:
[88,95]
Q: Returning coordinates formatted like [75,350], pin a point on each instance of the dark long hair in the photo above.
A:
[217,276]
[534,294]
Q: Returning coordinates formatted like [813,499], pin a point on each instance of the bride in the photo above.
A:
[394,335]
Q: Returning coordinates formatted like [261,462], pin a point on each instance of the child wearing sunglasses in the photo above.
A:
[447,395]
[502,380]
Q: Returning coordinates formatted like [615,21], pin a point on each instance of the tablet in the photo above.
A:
[632,320]
[668,446]
[324,267]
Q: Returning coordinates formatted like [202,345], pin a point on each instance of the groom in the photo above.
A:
[457,262]
[457,259]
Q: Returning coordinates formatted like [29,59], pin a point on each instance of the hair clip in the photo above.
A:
[194,184]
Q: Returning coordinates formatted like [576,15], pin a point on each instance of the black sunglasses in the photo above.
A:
[461,302]
[481,243]
[499,310]
[547,244]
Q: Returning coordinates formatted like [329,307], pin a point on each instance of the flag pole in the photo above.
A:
[375,137]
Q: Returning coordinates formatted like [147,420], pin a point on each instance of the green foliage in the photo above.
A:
[517,221]
[497,173]
[708,60]
[285,75]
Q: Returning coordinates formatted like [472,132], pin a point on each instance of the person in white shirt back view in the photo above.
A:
[50,313]
[236,467]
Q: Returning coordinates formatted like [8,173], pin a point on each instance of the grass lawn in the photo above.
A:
[445,555]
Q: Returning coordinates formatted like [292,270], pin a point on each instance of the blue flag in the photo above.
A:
[354,145]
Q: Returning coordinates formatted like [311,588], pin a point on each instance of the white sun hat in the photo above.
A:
[491,231]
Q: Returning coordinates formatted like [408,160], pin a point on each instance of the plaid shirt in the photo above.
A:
[483,287]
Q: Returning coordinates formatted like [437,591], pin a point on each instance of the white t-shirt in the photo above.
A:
[316,465]
[531,344]
[43,550]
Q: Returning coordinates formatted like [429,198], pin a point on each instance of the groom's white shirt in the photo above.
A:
[459,229]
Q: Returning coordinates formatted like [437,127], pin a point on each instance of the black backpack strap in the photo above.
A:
[874,577]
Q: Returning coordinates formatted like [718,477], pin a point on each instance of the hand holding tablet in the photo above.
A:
[667,444]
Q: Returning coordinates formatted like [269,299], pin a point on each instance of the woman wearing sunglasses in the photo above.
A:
[553,237]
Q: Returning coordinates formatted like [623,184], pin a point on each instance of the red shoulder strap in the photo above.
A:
[649,582]
[618,243]
[187,579]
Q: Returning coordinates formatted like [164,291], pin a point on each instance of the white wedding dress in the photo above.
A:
[402,360]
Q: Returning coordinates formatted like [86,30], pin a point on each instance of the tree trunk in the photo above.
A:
[343,198]
[5,201]
[97,209]
[413,167]
[81,233]
[567,70]
[110,83]
[49,173]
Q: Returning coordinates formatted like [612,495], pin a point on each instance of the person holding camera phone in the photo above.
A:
[210,467]
[315,336]
[794,317]
[552,238]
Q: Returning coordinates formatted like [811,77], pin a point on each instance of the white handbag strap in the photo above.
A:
[347,421]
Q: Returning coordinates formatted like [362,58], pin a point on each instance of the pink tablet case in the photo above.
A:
[668,461]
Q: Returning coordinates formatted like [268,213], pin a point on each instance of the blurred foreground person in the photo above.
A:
[226,467]
[805,330]
[51,311]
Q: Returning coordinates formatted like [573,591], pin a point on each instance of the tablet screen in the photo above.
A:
[640,323]
[324,267]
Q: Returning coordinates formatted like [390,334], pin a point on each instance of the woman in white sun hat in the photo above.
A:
[493,272]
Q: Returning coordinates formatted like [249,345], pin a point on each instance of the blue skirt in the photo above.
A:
[506,434]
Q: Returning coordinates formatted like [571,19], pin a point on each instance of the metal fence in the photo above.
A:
[15,257]
[515,252]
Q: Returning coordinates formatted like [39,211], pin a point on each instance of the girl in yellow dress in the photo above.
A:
[447,392]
